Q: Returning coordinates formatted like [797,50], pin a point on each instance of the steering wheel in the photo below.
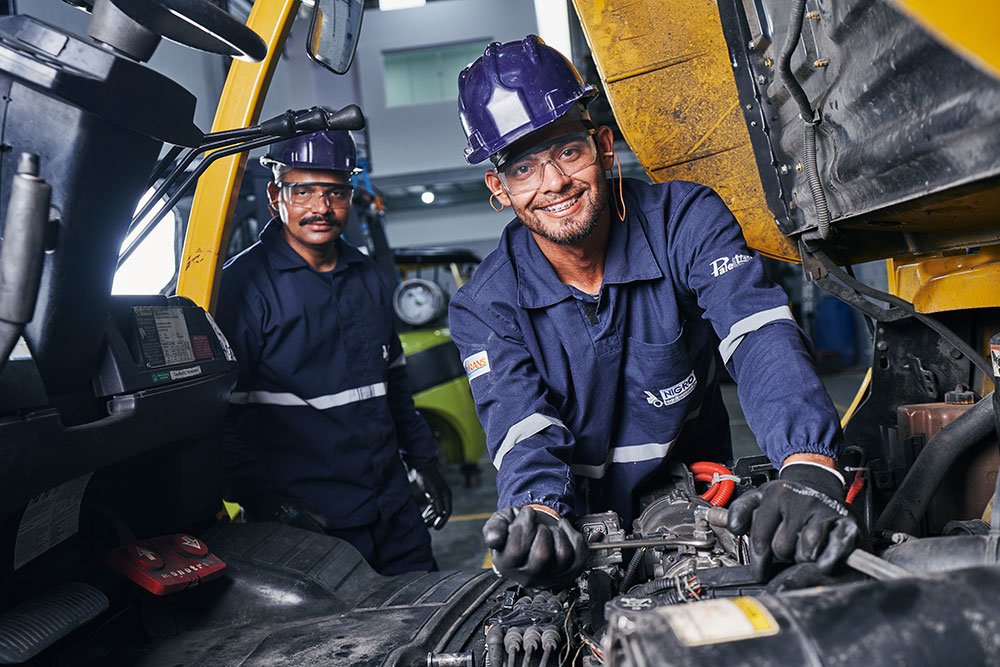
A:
[198,24]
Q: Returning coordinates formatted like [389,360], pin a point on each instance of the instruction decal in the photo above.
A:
[49,519]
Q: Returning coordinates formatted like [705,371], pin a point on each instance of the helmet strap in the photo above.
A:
[620,201]
[494,205]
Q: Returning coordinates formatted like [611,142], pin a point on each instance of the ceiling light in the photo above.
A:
[389,5]
[427,197]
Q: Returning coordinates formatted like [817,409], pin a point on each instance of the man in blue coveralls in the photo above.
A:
[589,337]
[322,408]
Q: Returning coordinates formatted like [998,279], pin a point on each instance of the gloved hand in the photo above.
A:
[431,482]
[534,548]
[271,506]
[799,517]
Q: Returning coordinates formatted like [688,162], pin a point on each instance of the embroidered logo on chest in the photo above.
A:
[725,264]
[673,394]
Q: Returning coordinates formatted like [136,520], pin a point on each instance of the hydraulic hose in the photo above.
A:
[721,492]
[908,505]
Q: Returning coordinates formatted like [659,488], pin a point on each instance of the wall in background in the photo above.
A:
[472,226]
[426,137]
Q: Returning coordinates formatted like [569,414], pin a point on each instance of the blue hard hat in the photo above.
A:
[513,89]
[332,150]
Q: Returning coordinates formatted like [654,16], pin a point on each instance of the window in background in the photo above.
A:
[153,265]
[429,74]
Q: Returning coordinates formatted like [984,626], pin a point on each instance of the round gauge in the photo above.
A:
[419,302]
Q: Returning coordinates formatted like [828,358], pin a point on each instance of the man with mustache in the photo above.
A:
[590,336]
[322,408]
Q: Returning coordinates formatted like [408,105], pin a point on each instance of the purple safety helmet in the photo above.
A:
[332,150]
[513,89]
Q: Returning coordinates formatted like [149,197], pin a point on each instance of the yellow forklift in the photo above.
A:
[839,131]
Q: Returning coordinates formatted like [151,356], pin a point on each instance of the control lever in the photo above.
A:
[860,560]
[312,120]
[22,251]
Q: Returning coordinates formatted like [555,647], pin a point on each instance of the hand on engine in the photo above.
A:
[798,518]
[432,483]
[534,548]
[271,506]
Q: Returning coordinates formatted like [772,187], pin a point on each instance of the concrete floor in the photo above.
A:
[459,545]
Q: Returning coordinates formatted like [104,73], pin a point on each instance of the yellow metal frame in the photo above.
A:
[215,198]
[970,27]
[948,281]
[666,70]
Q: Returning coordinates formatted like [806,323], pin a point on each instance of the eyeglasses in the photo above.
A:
[304,194]
[570,155]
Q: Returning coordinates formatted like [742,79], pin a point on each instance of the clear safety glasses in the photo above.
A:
[305,194]
[569,154]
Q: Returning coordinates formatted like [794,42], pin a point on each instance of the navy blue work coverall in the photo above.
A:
[322,407]
[586,400]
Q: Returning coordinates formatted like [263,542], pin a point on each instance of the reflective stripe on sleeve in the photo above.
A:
[522,430]
[399,361]
[649,451]
[748,324]
[345,397]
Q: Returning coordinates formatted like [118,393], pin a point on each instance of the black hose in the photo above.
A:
[785,75]
[947,334]
[811,167]
[633,567]
[666,587]
[907,506]
[809,116]
[995,358]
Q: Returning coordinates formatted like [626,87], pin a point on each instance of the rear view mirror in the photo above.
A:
[333,33]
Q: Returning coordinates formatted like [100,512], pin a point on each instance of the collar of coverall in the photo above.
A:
[629,259]
[283,258]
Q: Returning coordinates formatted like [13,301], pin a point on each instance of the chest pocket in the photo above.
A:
[368,333]
[660,383]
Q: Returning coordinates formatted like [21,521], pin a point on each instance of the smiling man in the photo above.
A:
[322,407]
[591,333]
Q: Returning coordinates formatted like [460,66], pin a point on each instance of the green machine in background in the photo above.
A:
[423,280]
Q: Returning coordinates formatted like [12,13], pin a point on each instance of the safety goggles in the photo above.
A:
[569,154]
[305,194]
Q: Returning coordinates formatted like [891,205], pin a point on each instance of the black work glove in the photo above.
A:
[798,518]
[534,548]
[271,506]
[431,482]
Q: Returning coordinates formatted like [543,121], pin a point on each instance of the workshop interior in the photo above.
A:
[857,143]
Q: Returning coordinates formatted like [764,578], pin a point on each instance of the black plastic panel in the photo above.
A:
[910,132]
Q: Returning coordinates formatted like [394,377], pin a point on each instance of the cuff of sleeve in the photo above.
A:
[816,475]
[557,505]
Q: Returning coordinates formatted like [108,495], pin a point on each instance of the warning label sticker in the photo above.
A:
[20,351]
[163,335]
[50,518]
[995,356]
[717,621]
